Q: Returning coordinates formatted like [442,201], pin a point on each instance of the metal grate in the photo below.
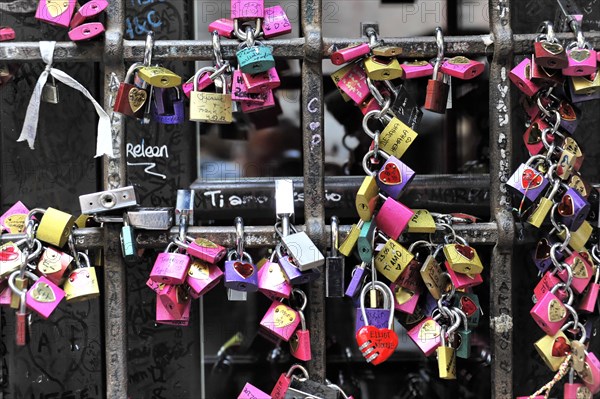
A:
[312,48]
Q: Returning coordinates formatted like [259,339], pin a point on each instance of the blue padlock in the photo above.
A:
[255,59]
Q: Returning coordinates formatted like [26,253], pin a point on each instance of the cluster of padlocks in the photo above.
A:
[80,23]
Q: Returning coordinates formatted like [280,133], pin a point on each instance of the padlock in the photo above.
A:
[386,51]
[247,9]
[463,337]
[581,272]
[334,265]
[82,283]
[276,22]
[300,340]
[43,297]
[569,144]
[202,249]
[396,137]
[436,97]
[202,277]
[21,322]
[410,278]
[527,183]
[280,321]
[461,280]
[550,54]
[293,274]
[591,373]
[533,136]
[572,209]
[130,99]
[89,10]
[543,207]
[541,254]
[167,106]
[431,273]
[417,69]
[574,97]
[50,92]
[377,317]
[462,258]
[404,106]
[349,243]
[579,237]
[13,220]
[53,264]
[55,12]
[553,349]
[590,297]
[170,267]
[262,82]
[462,68]
[468,303]
[285,380]
[366,198]
[251,392]
[5,294]
[203,79]
[223,26]
[427,335]
[543,76]
[582,61]
[210,107]
[54,227]
[175,299]
[241,275]
[354,84]
[421,222]
[308,389]
[546,283]
[356,282]
[393,217]
[569,116]
[11,259]
[255,59]
[405,300]
[158,76]
[377,344]
[586,85]
[86,31]
[392,260]
[380,68]
[576,182]
[269,102]
[108,200]
[6,33]
[394,176]
[164,317]
[549,312]
[350,53]
[337,76]
[446,359]
[21,282]
[272,281]
[573,390]
[303,250]
[128,243]
[521,77]
[154,286]
[364,244]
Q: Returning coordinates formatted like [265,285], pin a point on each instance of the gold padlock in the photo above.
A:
[579,237]
[584,85]
[15,299]
[396,137]
[431,273]
[545,348]
[392,260]
[421,222]
[366,198]
[463,258]
[159,76]
[55,227]
[338,75]
[576,182]
[538,216]
[82,283]
[566,164]
[387,51]
[210,107]
[379,68]
[349,243]
[446,357]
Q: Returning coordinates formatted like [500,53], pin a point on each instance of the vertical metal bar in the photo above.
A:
[114,172]
[500,170]
[313,150]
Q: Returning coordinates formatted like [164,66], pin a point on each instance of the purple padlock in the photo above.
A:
[521,77]
[582,61]
[239,90]
[276,22]
[573,209]
[527,182]
[251,392]
[261,82]
[356,282]
[167,106]
[394,176]
[378,317]
[293,274]
[354,84]
[247,9]
[224,27]
[241,275]
[541,254]
[393,217]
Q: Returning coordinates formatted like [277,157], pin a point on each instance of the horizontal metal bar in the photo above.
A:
[193,50]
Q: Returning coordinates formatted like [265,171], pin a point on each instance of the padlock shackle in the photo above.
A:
[439,41]
[245,255]
[13,276]
[148,48]
[370,154]
[243,34]
[303,296]
[567,288]
[335,235]
[546,30]
[129,76]
[579,327]
[239,236]
[201,72]
[448,294]
[297,367]
[386,291]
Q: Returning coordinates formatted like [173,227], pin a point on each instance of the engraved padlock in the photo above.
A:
[576,269]
[546,283]
[337,76]
[355,284]
[394,176]
[461,281]
[550,312]
[158,76]
[247,9]
[553,349]
[276,22]
[572,209]
[582,60]
[82,283]
[202,277]
[55,226]
[249,391]
[269,102]
[261,82]
[239,90]
[56,12]
[280,321]
[421,222]
[462,68]
[392,259]
[271,279]
[381,68]
[202,249]
[375,316]
[463,258]
[427,335]
[350,53]
[548,51]
[255,59]
[130,99]
[170,267]
[13,220]
[164,317]
[431,273]
[417,69]
[377,344]
[167,106]
[300,340]
[210,107]
[395,138]
[43,297]
[53,264]
[527,183]
[393,217]
[334,265]
[285,380]
[354,84]
[521,77]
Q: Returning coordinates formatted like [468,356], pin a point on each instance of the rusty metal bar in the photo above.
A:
[196,50]
[500,170]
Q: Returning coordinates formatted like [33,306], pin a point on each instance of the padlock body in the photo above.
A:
[261,82]
[586,85]
[426,335]
[355,284]
[247,9]
[354,84]
[579,237]
[202,277]
[364,242]
[167,107]
[376,317]
[541,254]
[55,12]
[446,362]
[405,300]
[130,100]
[550,55]
[239,90]
[281,387]
[396,138]
[21,329]
[392,260]
[436,97]
[164,317]
[582,62]
[86,31]
[276,22]
[590,299]
[55,227]
[280,321]
[269,102]
[540,213]
[43,297]
[548,280]
[550,349]
[272,281]
[349,242]
[206,250]
[334,276]
[224,27]
[175,299]
[410,278]
[463,258]
[241,276]
[543,76]
[300,345]
[380,68]
[348,54]
[255,59]
[521,77]
[393,217]
[159,76]
[291,271]
[251,392]
[211,107]
[462,68]
[431,273]
[573,209]
[582,272]
[204,81]
[527,183]
[170,268]
[81,285]
[88,10]
[128,244]
[591,373]
[393,177]
[304,251]
[366,198]
[417,69]
[549,313]
[576,391]
[469,304]
[533,136]
[461,280]
[463,350]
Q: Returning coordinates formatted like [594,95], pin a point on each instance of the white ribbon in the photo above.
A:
[104,140]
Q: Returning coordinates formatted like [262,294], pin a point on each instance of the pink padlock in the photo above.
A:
[590,297]
[5,294]
[300,341]
[582,61]
[591,373]
[86,31]
[417,69]
[404,300]
[276,22]
[462,68]
[203,249]
[202,278]
[581,271]
[426,335]
[239,90]
[6,33]
[549,312]
[44,296]
[280,321]
[13,220]
[247,9]
[154,286]
[521,77]
[224,27]
[369,105]
[175,299]
[285,380]
[548,280]
[577,390]
[272,281]
[393,217]
[204,81]
[262,82]
[54,264]
[251,392]
[164,317]
[348,54]
[461,280]
[56,12]
[170,267]
[354,84]
[88,10]
[248,107]
[533,136]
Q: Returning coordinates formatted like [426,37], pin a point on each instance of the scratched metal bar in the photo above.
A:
[196,50]
[500,169]
[114,172]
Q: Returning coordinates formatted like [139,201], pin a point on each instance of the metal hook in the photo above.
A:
[439,40]
[148,48]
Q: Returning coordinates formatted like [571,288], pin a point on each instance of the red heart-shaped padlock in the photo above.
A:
[390,175]
[560,347]
[243,269]
[381,341]
[565,208]
[531,180]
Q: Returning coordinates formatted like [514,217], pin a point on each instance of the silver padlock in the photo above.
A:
[50,92]
[110,200]
[334,265]
[151,218]
[303,250]
[309,389]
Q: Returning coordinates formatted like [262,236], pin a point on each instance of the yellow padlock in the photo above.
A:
[379,68]
[396,137]
[584,85]
[431,273]
[82,283]
[346,247]
[366,198]
[545,345]
[463,258]
[386,51]
[421,222]
[579,237]
[538,216]
[82,221]
[392,260]
[576,182]
[210,107]
[338,75]
[566,164]
[55,227]
[15,299]
[446,356]
[158,76]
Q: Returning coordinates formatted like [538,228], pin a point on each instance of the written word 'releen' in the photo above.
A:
[152,151]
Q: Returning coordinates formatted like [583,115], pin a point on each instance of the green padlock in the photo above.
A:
[255,59]
[463,348]
[365,241]
[128,244]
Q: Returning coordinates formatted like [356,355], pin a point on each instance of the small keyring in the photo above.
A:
[216,43]
[303,296]
[148,48]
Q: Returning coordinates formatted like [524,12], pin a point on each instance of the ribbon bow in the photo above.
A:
[104,140]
